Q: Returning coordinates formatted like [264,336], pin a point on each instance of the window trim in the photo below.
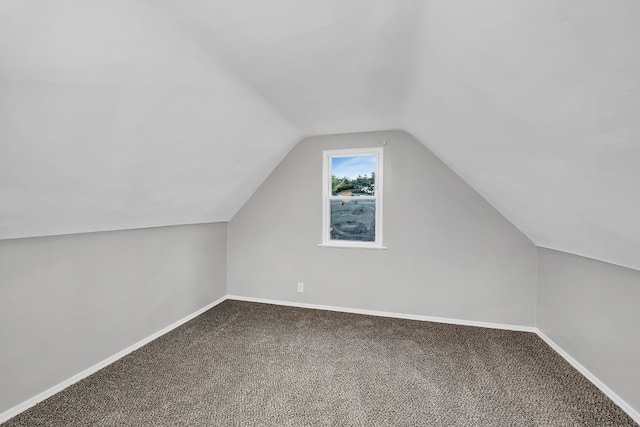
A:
[327,155]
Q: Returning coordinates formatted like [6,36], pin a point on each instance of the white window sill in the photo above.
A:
[347,246]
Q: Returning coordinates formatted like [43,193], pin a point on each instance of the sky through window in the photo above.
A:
[352,167]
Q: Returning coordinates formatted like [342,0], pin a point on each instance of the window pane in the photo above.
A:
[353,220]
[353,176]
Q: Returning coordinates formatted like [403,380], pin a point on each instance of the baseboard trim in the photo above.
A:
[388,314]
[606,390]
[10,413]
[5,416]
[584,371]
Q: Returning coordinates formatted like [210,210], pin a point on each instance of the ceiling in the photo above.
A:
[121,114]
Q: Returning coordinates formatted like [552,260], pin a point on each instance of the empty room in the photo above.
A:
[319,213]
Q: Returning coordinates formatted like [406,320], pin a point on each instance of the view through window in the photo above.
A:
[352,197]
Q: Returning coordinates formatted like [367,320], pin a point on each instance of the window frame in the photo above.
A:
[328,155]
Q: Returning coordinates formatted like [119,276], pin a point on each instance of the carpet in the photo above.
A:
[250,364]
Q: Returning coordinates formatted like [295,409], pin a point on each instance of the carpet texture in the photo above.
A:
[249,364]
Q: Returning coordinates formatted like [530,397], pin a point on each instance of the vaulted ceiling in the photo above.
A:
[129,113]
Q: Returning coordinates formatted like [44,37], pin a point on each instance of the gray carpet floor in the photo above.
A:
[249,364]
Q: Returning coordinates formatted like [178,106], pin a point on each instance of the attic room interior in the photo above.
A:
[365,213]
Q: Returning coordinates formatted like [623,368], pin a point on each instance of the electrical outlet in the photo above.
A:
[300,287]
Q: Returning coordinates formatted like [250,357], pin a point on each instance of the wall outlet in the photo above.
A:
[300,287]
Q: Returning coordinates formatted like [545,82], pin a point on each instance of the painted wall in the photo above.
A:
[450,253]
[590,309]
[69,302]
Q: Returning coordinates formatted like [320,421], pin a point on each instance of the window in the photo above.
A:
[352,198]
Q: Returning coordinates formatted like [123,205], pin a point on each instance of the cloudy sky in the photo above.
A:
[351,167]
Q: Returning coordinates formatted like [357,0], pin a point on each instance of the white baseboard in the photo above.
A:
[584,371]
[59,387]
[64,384]
[606,390]
[388,314]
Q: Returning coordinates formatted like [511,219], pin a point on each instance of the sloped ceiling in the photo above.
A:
[111,117]
[536,104]
[121,114]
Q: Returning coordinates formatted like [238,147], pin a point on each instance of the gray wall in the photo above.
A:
[69,302]
[451,254]
[590,309]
